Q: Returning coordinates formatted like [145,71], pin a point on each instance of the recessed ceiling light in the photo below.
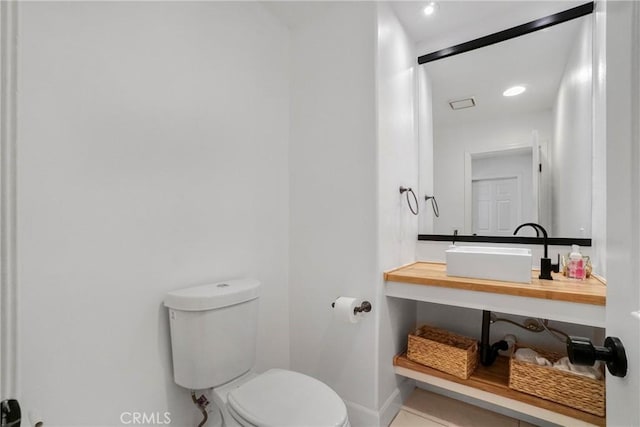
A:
[513,91]
[430,8]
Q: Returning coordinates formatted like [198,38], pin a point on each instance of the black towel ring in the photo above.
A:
[409,190]
[434,205]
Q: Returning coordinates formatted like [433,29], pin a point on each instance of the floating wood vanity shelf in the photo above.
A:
[590,291]
[491,385]
[569,300]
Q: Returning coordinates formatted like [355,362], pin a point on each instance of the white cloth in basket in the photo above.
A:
[531,356]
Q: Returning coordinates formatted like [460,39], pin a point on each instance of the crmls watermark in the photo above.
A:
[145,418]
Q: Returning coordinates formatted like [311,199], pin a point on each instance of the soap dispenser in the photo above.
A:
[576,263]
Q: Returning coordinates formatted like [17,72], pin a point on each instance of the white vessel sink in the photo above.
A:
[505,264]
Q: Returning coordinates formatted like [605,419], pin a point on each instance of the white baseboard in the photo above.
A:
[360,416]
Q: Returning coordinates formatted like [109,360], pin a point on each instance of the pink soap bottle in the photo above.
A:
[576,263]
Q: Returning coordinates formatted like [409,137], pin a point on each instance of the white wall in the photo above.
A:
[450,145]
[153,155]
[333,229]
[398,157]
[468,322]
[572,148]
[435,251]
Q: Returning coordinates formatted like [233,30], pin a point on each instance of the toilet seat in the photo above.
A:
[281,398]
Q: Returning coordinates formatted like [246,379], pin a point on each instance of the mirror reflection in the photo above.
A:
[512,135]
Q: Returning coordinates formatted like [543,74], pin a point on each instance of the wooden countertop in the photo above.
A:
[590,291]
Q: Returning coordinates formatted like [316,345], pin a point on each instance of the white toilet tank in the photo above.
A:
[213,332]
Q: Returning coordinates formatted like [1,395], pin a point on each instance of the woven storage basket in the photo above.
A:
[443,350]
[576,391]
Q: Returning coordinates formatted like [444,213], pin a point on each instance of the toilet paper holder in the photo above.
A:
[364,307]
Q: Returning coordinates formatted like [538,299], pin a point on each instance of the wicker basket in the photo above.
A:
[442,350]
[576,391]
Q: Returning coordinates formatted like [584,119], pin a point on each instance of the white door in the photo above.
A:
[623,196]
[495,206]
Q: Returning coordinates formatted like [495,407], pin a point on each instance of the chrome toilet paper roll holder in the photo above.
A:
[364,307]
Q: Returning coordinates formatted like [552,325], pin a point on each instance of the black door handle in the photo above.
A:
[582,352]
[10,413]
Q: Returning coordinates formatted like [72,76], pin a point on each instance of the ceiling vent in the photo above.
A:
[462,103]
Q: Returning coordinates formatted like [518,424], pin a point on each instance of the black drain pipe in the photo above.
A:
[489,353]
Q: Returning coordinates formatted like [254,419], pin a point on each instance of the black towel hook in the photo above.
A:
[434,204]
[409,190]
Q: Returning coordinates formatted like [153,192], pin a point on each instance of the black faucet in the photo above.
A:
[546,267]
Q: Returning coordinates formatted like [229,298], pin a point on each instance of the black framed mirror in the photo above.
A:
[499,161]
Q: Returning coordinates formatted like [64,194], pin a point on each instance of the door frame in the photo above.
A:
[8,195]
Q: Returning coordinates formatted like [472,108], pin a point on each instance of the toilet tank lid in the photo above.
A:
[213,295]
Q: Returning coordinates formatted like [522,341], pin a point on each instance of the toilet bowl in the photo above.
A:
[279,398]
[213,344]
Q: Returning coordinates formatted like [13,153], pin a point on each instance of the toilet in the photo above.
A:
[213,342]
